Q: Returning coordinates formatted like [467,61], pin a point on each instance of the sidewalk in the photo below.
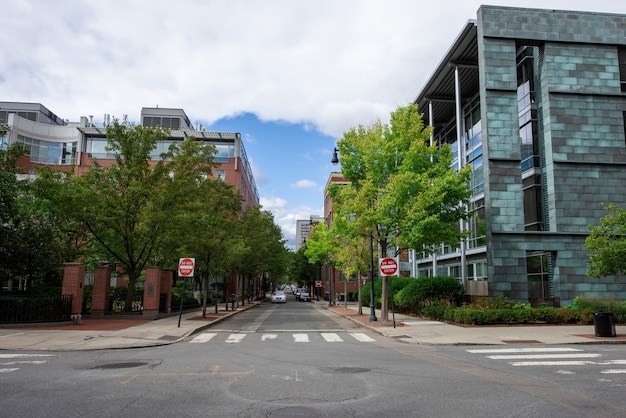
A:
[422,331]
[106,333]
[98,334]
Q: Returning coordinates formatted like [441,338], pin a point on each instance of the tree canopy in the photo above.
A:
[403,189]
[607,243]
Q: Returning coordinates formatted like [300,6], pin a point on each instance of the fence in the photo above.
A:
[33,308]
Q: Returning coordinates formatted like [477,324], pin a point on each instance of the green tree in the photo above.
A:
[607,243]
[211,223]
[301,270]
[127,206]
[352,256]
[263,254]
[31,237]
[403,189]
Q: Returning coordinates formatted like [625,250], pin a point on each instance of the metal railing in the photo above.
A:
[16,309]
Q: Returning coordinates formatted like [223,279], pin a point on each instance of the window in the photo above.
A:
[45,152]
[538,273]
[220,174]
[533,220]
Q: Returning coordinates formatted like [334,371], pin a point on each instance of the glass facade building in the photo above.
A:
[534,101]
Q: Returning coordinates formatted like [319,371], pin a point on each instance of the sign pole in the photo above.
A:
[186,267]
[182,297]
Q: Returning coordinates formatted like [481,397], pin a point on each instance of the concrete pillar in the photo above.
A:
[73,280]
[101,289]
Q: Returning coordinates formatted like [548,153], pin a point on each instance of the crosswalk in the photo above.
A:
[296,337]
[12,362]
[552,357]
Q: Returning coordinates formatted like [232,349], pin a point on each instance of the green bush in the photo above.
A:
[435,310]
[421,292]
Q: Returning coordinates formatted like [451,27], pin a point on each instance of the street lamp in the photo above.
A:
[335,161]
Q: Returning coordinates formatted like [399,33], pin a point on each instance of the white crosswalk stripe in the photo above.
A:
[235,338]
[331,337]
[364,338]
[202,338]
[21,359]
[298,337]
[549,356]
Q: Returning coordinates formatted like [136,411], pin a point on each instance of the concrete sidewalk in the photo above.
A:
[106,333]
[97,334]
[422,331]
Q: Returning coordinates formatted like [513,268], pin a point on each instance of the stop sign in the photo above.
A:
[186,266]
[388,266]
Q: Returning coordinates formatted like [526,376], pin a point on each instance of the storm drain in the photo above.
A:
[401,336]
[521,341]
[294,411]
[126,365]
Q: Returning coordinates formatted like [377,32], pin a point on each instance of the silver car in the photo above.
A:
[279,297]
[304,296]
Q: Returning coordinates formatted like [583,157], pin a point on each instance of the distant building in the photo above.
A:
[535,101]
[303,228]
[51,140]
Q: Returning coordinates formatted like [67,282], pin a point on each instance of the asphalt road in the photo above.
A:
[296,359]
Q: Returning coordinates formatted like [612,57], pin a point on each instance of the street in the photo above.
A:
[298,359]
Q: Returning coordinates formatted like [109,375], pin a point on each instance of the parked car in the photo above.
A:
[279,297]
[304,296]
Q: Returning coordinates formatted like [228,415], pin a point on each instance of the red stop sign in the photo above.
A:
[186,266]
[388,266]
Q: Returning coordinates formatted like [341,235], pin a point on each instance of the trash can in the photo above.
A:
[604,324]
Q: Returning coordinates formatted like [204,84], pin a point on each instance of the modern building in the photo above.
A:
[303,229]
[535,101]
[51,140]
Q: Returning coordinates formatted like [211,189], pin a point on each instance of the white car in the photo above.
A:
[279,297]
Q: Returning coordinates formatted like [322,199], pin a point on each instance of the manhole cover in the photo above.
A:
[126,365]
[294,411]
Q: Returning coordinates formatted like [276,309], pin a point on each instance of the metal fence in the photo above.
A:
[34,308]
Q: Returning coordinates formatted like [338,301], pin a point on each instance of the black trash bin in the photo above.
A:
[604,324]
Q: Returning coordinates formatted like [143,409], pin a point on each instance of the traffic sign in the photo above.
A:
[388,266]
[186,267]
[318,283]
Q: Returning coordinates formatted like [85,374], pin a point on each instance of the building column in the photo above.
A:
[73,280]
[151,292]
[167,281]
[100,292]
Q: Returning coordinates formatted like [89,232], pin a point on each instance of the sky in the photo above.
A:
[290,75]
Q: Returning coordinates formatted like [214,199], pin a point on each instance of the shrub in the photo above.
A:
[435,310]
[419,293]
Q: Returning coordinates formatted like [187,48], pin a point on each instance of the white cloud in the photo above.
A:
[286,217]
[304,184]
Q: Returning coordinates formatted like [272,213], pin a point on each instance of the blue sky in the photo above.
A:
[291,164]
[290,75]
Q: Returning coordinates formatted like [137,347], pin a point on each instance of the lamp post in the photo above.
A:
[335,161]
[372,308]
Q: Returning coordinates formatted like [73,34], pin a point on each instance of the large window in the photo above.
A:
[477,225]
[533,220]
[46,152]
[538,273]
